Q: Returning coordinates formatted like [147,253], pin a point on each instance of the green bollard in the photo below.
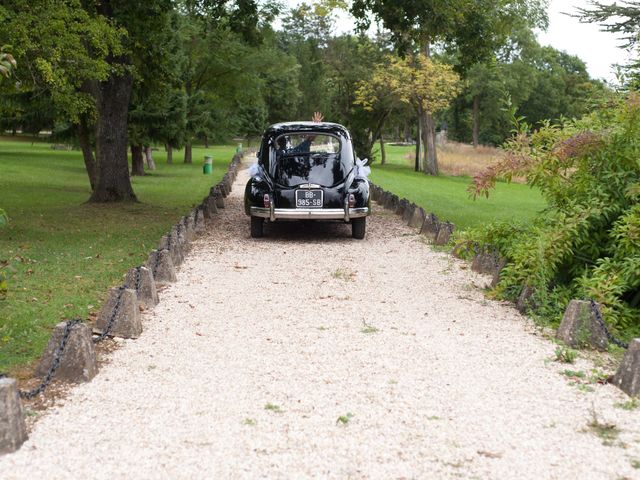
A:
[239,148]
[207,168]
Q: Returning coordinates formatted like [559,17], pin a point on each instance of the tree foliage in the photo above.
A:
[542,83]
[7,63]
[619,18]
[421,82]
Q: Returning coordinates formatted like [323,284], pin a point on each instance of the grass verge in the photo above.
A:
[448,198]
[60,253]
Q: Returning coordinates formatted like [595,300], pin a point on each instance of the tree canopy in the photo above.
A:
[113,75]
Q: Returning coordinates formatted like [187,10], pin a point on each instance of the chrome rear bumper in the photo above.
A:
[309,213]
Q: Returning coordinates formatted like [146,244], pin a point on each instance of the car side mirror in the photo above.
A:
[258,155]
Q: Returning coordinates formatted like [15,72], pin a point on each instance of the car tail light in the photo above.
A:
[267,200]
[352,200]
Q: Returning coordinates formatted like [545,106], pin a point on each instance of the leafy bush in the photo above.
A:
[586,243]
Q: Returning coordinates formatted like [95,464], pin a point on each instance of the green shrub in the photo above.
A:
[587,242]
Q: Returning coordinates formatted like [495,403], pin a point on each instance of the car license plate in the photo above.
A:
[308,198]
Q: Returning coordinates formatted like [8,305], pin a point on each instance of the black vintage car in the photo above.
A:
[307,171]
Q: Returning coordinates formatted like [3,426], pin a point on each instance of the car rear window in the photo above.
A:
[308,158]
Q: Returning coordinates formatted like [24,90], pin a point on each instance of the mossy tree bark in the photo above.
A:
[112,102]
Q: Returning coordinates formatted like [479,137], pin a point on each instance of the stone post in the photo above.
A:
[403,203]
[189,231]
[227,181]
[78,361]
[525,300]
[489,263]
[408,213]
[211,202]
[219,197]
[627,378]
[141,280]
[430,227]
[580,327]
[392,202]
[383,198]
[172,243]
[445,231]
[223,189]
[181,237]
[161,266]
[13,430]
[374,191]
[417,217]
[127,322]
[199,221]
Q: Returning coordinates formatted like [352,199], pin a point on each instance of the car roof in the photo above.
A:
[286,127]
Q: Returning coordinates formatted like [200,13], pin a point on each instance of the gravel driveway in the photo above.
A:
[309,354]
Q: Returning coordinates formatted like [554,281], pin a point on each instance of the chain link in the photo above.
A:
[600,320]
[112,319]
[57,356]
[156,263]
[138,278]
[179,232]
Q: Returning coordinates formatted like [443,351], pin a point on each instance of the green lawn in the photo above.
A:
[62,254]
[448,198]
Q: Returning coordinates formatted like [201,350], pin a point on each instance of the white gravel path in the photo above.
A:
[248,362]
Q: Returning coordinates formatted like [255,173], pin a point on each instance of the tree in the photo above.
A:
[541,82]
[63,49]
[306,34]
[429,86]
[623,18]
[483,31]
[352,60]
[141,48]
[219,44]
[468,25]
[417,23]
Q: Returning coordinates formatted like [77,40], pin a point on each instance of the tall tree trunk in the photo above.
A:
[145,159]
[187,153]
[87,151]
[430,163]
[112,102]
[418,142]
[476,121]
[206,142]
[383,155]
[429,141]
[137,161]
[169,148]
[148,155]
